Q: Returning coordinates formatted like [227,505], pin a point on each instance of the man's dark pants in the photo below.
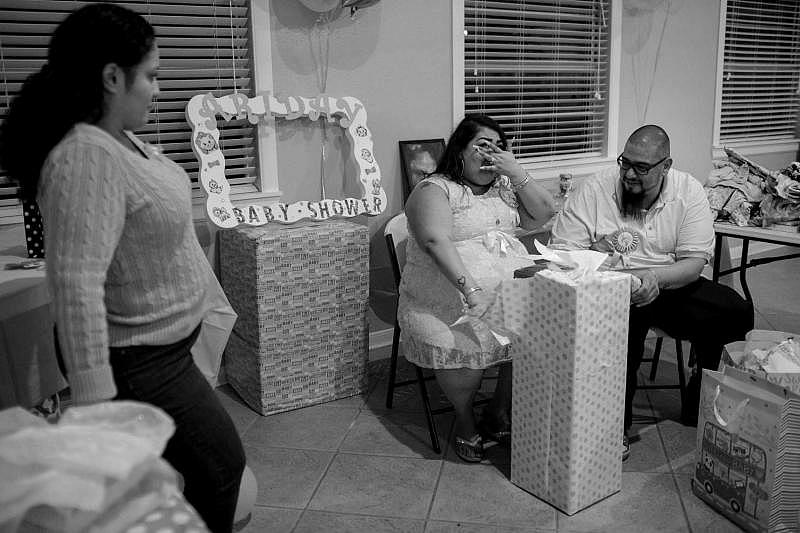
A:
[708,314]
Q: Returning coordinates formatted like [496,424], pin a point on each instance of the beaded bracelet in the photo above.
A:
[521,184]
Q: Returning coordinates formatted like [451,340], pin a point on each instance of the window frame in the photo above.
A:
[542,169]
[266,186]
[751,147]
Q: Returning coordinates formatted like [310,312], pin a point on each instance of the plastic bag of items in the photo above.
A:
[732,192]
[787,183]
[99,469]
[776,209]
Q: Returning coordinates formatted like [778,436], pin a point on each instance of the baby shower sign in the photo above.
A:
[202,112]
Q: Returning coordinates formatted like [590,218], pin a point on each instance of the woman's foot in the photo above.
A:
[626,447]
[470,450]
[495,426]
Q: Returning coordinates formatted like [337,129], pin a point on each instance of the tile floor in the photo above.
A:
[354,466]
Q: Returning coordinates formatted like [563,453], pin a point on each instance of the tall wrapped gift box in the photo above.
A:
[301,293]
[569,385]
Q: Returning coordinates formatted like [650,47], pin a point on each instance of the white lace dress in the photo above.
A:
[483,227]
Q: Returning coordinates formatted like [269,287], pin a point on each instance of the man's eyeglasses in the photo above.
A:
[639,168]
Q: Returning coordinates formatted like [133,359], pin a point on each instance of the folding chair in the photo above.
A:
[396,234]
[681,385]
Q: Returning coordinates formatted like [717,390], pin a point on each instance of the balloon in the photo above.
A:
[320,6]
[248,488]
[355,5]
[358,4]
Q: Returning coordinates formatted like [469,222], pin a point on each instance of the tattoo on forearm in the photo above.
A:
[461,281]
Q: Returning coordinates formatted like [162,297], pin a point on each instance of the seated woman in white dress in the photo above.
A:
[461,221]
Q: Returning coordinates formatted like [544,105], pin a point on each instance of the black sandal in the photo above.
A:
[626,448]
[471,450]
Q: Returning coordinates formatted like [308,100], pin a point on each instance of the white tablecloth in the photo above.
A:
[28,368]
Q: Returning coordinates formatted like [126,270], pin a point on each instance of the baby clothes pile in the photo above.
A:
[98,469]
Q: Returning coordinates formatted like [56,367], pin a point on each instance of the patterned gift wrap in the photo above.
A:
[748,451]
[569,385]
[301,293]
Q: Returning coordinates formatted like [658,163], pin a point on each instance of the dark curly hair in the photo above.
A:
[69,87]
[451,165]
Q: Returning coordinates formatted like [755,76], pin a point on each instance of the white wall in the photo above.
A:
[395,56]
[669,65]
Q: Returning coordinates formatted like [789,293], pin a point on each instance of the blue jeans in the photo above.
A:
[205,448]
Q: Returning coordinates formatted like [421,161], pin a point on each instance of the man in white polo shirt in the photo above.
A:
[656,220]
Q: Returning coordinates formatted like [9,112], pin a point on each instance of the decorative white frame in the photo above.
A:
[546,170]
[202,111]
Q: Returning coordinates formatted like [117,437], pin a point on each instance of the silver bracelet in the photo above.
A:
[521,184]
[471,290]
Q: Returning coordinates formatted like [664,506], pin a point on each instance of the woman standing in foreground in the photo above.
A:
[127,274]
[461,222]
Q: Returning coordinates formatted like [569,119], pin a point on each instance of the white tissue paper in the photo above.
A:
[98,461]
[772,354]
[785,357]
[575,265]
[579,262]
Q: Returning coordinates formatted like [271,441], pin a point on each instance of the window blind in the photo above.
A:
[204,46]
[761,71]
[540,68]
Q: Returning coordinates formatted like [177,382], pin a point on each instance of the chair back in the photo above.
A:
[396,234]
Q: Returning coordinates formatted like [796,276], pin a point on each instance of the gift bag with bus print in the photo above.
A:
[748,451]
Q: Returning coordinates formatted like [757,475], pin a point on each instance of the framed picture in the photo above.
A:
[418,159]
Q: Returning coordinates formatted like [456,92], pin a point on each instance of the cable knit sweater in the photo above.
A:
[123,261]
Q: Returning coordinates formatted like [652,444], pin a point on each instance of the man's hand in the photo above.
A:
[649,289]
[602,244]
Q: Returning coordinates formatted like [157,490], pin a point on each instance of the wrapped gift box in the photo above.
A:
[301,293]
[569,385]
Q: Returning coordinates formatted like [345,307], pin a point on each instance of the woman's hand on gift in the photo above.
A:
[478,302]
[648,291]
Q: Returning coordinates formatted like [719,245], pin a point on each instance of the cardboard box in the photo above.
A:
[301,293]
[569,385]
